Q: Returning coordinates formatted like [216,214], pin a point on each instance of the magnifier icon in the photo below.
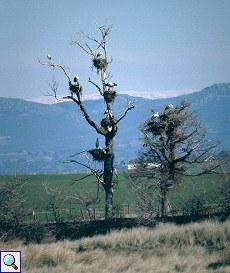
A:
[9,260]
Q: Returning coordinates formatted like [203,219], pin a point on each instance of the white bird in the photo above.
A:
[115,172]
[156,115]
[108,113]
[130,104]
[110,84]
[170,106]
[76,78]
[49,57]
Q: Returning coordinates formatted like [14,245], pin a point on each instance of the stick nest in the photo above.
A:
[75,88]
[98,154]
[110,96]
[108,122]
[99,63]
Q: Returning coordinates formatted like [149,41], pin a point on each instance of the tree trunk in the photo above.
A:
[108,178]
[164,203]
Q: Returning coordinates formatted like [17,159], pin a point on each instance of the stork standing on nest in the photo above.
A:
[97,143]
[170,106]
[76,79]
[110,85]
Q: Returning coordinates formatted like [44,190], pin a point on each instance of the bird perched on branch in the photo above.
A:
[110,84]
[97,143]
[156,115]
[49,57]
[76,79]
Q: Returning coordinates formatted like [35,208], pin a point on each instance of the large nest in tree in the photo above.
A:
[107,122]
[154,127]
[98,154]
[99,63]
[75,88]
[110,96]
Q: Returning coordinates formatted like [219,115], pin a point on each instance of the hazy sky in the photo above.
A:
[157,45]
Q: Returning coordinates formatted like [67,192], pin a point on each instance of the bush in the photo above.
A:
[12,203]
[224,194]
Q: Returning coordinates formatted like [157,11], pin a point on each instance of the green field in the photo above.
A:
[124,197]
[36,196]
[34,189]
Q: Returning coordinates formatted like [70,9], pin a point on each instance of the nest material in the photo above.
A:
[99,63]
[109,124]
[110,96]
[75,88]
[98,154]
[105,122]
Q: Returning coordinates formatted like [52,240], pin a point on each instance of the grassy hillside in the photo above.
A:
[200,247]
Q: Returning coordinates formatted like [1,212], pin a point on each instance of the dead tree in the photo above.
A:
[175,145]
[12,201]
[109,124]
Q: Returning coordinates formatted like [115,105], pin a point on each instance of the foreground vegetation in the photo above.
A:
[198,247]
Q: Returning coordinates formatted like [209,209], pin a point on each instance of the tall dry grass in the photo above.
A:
[199,247]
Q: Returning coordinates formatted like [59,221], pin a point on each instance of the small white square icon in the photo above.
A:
[10,261]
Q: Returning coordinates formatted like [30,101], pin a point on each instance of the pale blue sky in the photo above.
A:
[157,45]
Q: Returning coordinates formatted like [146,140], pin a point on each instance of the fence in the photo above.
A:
[125,211]
[72,214]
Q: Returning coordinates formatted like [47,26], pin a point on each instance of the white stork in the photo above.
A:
[156,115]
[170,106]
[110,84]
[76,79]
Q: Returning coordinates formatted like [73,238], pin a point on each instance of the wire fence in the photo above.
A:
[72,214]
[125,211]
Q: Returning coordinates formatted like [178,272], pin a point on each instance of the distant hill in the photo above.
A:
[38,137]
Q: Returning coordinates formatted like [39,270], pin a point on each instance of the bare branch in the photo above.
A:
[65,69]
[82,152]
[99,89]
[54,87]
[94,172]
[77,180]
[84,47]
[126,111]
[99,129]
[91,39]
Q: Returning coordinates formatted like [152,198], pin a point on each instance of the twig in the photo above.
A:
[65,69]
[126,111]
[99,89]
[94,172]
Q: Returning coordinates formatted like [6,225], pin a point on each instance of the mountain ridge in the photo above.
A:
[41,136]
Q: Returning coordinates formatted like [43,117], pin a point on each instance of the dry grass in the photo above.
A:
[200,247]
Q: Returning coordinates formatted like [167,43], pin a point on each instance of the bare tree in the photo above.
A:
[12,202]
[174,145]
[108,127]
[54,200]
[87,202]
[223,193]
